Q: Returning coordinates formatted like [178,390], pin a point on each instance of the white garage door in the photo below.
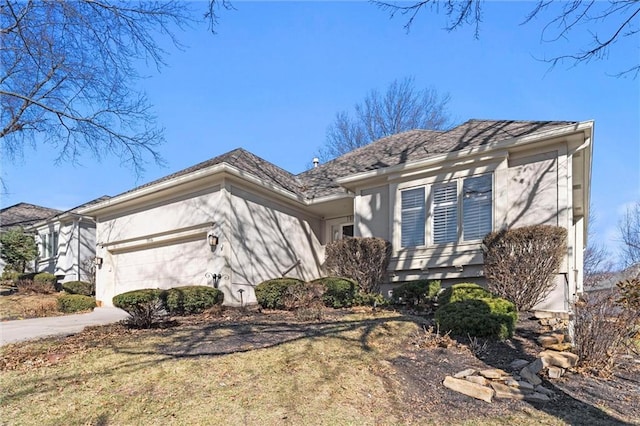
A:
[177,264]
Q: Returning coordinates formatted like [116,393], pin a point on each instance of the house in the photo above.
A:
[22,215]
[66,243]
[236,219]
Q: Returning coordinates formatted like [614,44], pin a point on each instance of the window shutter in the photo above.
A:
[412,218]
[445,213]
[477,218]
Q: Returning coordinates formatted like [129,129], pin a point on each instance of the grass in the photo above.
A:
[20,306]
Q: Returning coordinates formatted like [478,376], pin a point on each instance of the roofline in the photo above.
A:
[216,169]
[512,142]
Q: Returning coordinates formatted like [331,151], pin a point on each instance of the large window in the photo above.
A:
[49,245]
[461,210]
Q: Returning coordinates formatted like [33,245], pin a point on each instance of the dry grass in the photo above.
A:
[338,372]
[20,306]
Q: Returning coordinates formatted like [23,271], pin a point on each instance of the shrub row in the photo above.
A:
[78,287]
[470,310]
[416,292]
[148,306]
[69,303]
[332,292]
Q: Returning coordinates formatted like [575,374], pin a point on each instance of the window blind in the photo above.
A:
[412,217]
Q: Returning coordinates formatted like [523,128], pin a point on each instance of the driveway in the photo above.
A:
[36,328]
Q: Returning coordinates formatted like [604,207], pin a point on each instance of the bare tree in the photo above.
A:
[69,73]
[629,228]
[564,18]
[597,261]
[402,107]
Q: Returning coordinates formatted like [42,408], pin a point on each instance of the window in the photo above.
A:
[412,217]
[476,207]
[461,210]
[49,245]
[445,213]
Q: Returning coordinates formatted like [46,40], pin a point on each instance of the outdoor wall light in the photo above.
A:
[212,239]
[97,261]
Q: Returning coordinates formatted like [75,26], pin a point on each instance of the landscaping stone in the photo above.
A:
[525,386]
[539,397]
[517,364]
[536,366]
[468,388]
[493,373]
[464,373]
[555,372]
[560,347]
[530,377]
[504,391]
[478,380]
[542,389]
[558,359]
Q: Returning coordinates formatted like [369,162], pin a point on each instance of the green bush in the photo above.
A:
[482,317]
[463,291]
[45,277]
[416,292]
[339,292]
[8,275]
[369,299]
[191,299]
[69,303]
[78,287]
[270,294]
[144,306]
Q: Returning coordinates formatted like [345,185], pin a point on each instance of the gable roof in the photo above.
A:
[389,151]
[416,145]
[71,213]
[24,214]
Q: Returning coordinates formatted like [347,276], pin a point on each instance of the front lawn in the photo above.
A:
[356,367]
[21,306]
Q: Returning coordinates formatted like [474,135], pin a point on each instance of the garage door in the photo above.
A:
[172,265]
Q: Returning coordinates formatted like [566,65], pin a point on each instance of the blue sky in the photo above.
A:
[275,75]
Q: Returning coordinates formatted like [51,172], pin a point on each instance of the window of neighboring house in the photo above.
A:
[342,231]
[49,247]
[461,210]
[413,217]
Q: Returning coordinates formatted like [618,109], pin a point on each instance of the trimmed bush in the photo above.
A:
[369,299]
[484,317]
[520,263]
[45,277]
[463,291]
[78,287]
[8,275]
[270,294]
[145,306]
[70,303]
[416,292]
[364,260]
[339,291]
[191,299]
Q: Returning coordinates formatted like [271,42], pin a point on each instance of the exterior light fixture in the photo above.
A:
[212,239]
[97,261]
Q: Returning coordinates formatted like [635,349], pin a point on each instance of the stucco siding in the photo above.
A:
[372,206]
[161,246]
[268,238]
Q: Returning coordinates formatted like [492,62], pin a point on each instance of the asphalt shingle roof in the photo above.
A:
[24,214]
[389,151]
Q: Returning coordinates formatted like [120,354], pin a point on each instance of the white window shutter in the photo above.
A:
[445,213]
[412,217]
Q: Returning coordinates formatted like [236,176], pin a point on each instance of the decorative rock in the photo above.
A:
[468,388]
[517,364]
[543,390]
[560,346]
[559,359]
[539,397]
[525,386]
[493,373]
[530,377]
[478,380]
[504,391]
[555,372]
[547,340]
[536,366]
[464,373]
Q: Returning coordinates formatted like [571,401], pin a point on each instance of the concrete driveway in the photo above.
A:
[36,328]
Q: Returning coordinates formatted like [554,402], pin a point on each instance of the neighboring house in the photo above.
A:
[236,220]
[22,215]
[66,243]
